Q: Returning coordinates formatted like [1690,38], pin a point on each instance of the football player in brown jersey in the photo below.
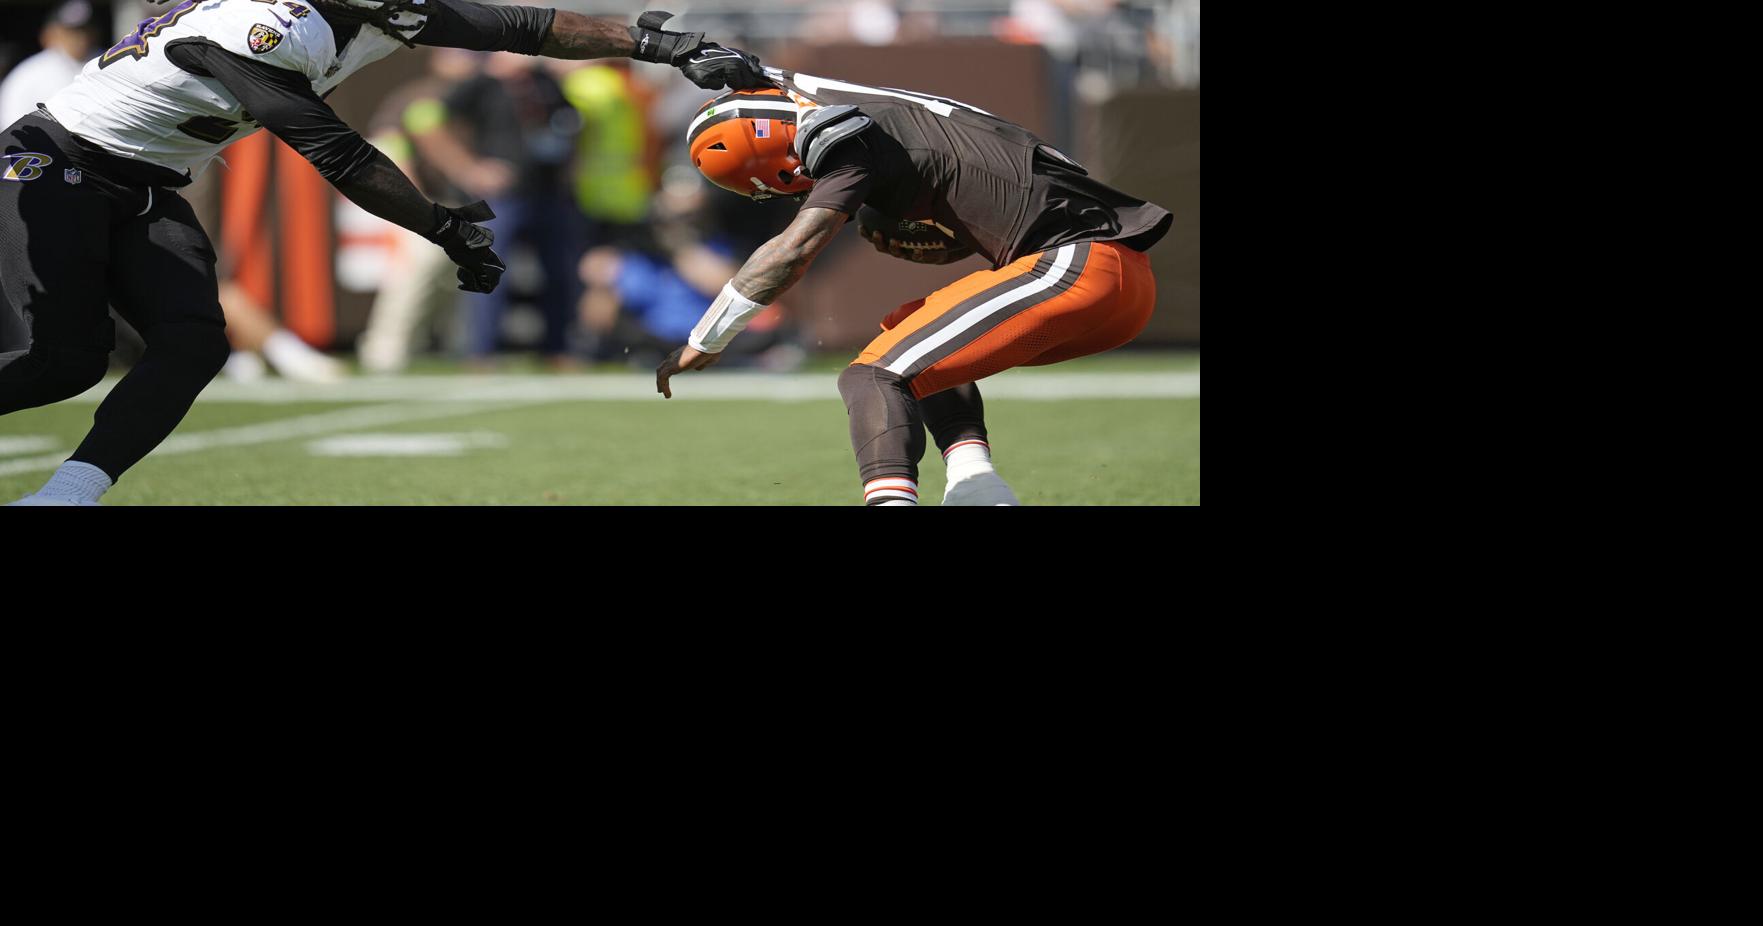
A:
[1069,275]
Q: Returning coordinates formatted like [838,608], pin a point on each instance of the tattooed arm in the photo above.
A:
[780,262]
[573,35]
[772,269]
[531,30]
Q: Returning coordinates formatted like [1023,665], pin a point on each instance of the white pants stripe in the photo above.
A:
[979,313]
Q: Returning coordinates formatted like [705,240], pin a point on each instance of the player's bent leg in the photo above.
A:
[956,419]
[1086,297]
[918,339]
[955,416]
[1078,295]
[34,378]
[55,329]
[887,433]
[984,323]
[163,283]
[147,405]
[1118,321]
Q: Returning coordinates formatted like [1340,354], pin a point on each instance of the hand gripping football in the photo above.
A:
[918,242]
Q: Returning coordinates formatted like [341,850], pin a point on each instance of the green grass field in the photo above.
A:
[1121,430]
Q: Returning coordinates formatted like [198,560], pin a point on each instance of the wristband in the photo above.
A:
[726,317]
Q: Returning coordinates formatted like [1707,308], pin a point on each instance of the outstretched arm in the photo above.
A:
[771,271]
[282,101]
[573,35]
[531,30]
[780,262]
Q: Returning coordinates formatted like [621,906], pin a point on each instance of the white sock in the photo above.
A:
[968,458]
[243,366]
[81,482]
[890,490]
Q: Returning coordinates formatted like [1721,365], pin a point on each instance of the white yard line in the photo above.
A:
[1032,385]
[349,419]
[27,443]
[424,398]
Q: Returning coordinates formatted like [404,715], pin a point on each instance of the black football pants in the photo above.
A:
[74,242]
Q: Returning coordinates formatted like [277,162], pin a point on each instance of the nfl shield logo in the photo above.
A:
[73,176]
[761,128]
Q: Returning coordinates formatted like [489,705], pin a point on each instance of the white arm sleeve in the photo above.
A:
[726,317]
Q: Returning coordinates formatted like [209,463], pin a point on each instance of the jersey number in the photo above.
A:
[134,45]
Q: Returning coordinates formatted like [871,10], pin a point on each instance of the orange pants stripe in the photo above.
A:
[1067,302]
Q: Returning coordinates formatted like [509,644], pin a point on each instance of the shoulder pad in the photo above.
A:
[822,128]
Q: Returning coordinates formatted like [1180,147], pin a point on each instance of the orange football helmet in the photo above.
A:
[743,141]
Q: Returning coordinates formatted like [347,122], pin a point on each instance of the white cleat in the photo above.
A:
[243,366]
[48,501]
[979,490]
[310,368]
[290,357]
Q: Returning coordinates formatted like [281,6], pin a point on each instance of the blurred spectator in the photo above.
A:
[614,173]
[509,137]
[871,22]
[645,298]
[256,337]
[1178,41]
[419,282]
[67,46]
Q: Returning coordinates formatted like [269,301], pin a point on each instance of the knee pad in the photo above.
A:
[887,428]
[857,377]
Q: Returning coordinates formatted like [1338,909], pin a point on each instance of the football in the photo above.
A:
[919,242]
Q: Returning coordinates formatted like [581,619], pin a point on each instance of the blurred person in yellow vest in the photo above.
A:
[615,152]
[510,132]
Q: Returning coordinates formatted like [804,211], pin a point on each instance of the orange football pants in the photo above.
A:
[1070,301]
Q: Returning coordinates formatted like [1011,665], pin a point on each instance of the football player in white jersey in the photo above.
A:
[90,216]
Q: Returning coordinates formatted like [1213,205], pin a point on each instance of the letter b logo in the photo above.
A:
[20,168]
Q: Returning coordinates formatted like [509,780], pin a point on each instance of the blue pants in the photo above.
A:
[551,227]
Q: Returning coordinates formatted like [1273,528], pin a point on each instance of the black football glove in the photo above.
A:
[706,64]
[468,245]
[713,67]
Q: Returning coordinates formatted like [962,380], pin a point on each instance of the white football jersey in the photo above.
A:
[133,102]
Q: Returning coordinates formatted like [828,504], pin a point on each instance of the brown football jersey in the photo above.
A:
[989,183]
